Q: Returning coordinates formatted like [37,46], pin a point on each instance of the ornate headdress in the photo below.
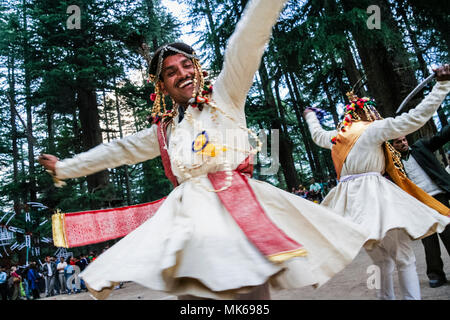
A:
[371,114]
[155,69]
[365,104]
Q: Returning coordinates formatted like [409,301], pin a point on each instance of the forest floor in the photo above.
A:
[349,284]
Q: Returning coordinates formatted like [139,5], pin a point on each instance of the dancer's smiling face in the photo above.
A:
[177,75]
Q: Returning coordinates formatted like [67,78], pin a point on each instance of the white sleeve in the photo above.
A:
[320,136]
[245,49]
[391,128]
[130,150]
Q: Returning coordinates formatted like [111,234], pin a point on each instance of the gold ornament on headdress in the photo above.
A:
[351,96]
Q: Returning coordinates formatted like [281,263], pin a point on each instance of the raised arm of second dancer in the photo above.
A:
[245,49]
[391,128]
[320,136]
[130,150]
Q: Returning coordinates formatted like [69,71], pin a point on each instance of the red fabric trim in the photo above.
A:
[162,128]
[88,227]
[250,216]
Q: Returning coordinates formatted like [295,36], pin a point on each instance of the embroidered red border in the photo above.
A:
[88,227]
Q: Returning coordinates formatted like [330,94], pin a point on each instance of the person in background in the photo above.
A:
[387,210]
[68,274]
[315,191]
[61,266]
[49,271]
[15,284]
[3,283]
[33,280]
[422,168]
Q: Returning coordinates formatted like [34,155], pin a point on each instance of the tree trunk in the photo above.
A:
[15,151]
[91,134]
[313,147]
[218,58]
[119,119]
[419,54]
[153,23]
[28,107]
[51,133]
[390,76]
[286,159]
[304,132]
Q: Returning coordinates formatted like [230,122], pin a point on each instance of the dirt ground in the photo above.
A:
[349,284]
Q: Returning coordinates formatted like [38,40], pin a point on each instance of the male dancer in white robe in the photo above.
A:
[390,215]
[219,234]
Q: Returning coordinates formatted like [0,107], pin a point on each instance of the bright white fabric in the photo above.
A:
[417,175]
[374,202]
[192,245]
[395,251]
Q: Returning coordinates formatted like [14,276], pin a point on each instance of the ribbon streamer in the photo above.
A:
[4,216]
[14,229]
[15,245]
[10,219]
[28,240]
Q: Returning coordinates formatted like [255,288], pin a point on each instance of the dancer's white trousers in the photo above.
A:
[395,250]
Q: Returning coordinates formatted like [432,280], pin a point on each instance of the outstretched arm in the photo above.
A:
[320,136]
[245,49]
[130,150]
[392,128]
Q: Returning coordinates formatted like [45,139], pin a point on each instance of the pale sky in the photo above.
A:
[179,10]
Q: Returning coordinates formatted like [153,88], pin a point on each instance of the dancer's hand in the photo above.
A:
[442,72]
[48,161]
[307,110]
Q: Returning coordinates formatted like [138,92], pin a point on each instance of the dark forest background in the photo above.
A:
[64,91]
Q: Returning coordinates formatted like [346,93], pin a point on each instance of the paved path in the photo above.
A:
[349,284]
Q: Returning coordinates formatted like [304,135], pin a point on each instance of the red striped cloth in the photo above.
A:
[88,227]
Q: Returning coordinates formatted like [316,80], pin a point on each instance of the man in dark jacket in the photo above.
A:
[427,172]
[49,272]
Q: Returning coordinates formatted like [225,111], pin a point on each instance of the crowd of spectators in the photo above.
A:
[316,191]
[52,277]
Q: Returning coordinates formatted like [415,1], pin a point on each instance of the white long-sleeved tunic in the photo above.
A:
[192,245]
[372,201]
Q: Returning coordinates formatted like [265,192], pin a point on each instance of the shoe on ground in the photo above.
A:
[434,283]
